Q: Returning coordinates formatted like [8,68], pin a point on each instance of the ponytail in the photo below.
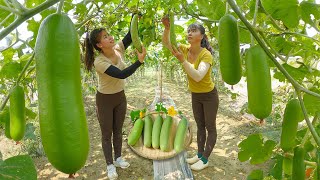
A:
[91,44]
[205,44]
[89,57]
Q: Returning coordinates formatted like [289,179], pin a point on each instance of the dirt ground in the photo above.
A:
[231,125]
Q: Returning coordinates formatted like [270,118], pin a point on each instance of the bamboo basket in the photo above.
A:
[157,154]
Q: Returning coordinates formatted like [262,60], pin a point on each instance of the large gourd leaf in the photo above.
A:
[18,167]
[308,9]
[312,103]
[284,10]
[261,152]
[213,9]
[33,3]
[10,70]
[297,73]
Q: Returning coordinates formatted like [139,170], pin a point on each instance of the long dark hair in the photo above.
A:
[204,42]
[90,43]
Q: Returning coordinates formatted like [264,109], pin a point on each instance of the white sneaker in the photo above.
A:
[112,172]
[192,160]
[121,163]
[199,165]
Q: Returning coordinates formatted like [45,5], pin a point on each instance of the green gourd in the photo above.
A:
[156,129]
[229,50]
[165,144]
[287,165]
[258,83]
[147,131]
[134,33]
[136,132]
[298,166]
[17,113]
[179,140]
[173,37]
[63,125]
[290,124]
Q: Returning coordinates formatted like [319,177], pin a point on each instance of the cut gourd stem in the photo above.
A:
[59,11]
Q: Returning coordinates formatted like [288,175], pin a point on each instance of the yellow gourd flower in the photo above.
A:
[171,111]
[141,114]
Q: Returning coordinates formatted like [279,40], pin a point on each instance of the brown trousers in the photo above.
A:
[205,107]
[111,111]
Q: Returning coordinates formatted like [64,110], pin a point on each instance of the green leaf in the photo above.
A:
[308,9]
[148,36]
[161,108]
[244,156]
[67,6]
[297,73]
[3,14]
[134,115]
[278,75]
[301,133]
[30,114]
[122,24]
[47,12]
[179,30]
[29,134]
[255,175]
[133,3]
[251,141]
[312,103]
[264,153]
[18,167]
[108,1]
[308,146]
[280,44]
[244,36]
[8,55]
[147,40]
[10,70]
[213,9]
[241,2]
[24,59]
[33,3]
[80,8]
[261,151]
[5,115]
[33,26]
[284,10]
